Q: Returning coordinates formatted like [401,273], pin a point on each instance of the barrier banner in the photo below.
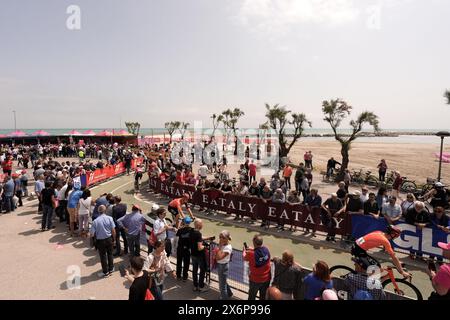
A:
[297,215]
[109,171]
[413,239]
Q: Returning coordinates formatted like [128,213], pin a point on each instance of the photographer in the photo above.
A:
[260,271]
[198,256]
[440,279]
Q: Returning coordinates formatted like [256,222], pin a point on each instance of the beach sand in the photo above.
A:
[415,161]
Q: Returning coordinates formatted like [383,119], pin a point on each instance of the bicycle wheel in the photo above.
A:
[407,289]
[372,181]
[408,186]
[340,271]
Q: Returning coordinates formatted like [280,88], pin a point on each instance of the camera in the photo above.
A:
[245,246]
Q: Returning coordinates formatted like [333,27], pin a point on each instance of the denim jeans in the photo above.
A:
[157,291]
[121,233]
[199,262]
[225,290]
[47,215]
[254,287]
[8,203]
[134,245]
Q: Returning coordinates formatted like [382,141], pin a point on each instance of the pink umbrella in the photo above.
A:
[104,133]
[89,133]
[74,133]
[123,133]
[17,134]
[41,133]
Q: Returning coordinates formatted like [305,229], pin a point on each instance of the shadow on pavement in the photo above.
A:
[30,232]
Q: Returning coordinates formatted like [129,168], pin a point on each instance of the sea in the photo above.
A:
[426,136]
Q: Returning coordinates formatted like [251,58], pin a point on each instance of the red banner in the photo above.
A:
[297,215]
[110,171]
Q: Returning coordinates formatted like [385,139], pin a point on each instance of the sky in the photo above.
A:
[154,61]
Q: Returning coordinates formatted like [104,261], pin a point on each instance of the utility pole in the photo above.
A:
[15,124]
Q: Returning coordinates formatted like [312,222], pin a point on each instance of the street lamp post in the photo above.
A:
[442,135]
[15,125]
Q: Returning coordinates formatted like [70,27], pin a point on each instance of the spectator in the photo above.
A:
[258,259]
[118,211]
[354,203]
[160,228]
[392,212]
[382,168]
[280,198]
[408,203]
[304,187]
[331,209]
[132,224]
[440,219]
[293,199]
[441,279]
[396,186]
[347,179]
[287,173]
[266,195]
[317,281]
[141,280]
[104,200]
[8,194]
[371,206]
[198,256]
[222,256]
[342,192]
[287,276]
[252,171]
[313,200]
[357,282]
[253,191]
[299,174]
[84,210]
[158,265]
[275,182]
[419,217]
[331,166]
[364,194]
[48,205]
[103,229]
[382,197]
[184,249]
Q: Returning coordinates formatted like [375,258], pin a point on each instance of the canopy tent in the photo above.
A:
[40,133]
[17,133]
[104,133]
[89,133]
[123,133]
[74,133]
[3,135]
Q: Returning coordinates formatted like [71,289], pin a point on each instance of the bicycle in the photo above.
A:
[367,178]
[399,286]
[408,186]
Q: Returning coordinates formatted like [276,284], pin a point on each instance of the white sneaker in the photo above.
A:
[102,275]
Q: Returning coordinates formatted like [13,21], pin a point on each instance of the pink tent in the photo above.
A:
[3,135]
[41,133]
[105,133]
[74,133]
[17,133]
[123,133]
[89,133]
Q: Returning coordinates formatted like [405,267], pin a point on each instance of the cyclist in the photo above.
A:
[175,208]
[379,239]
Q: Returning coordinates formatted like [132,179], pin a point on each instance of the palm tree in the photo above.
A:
[133,127]
[277,119]
[171,127]
[182,128]
[230,120]
[335,112]
[216,120]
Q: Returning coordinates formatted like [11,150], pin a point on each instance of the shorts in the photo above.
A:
[359,252]
[72,215]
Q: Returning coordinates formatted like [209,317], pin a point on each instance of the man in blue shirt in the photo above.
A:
[132,223]
[104,200]
[103,229]
[39,185]
[72,206]
[8,194]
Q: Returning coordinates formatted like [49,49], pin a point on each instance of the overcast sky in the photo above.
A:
[154,61]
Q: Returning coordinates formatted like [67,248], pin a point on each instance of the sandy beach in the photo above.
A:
[415,161]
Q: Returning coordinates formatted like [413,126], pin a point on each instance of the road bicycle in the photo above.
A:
[366,178]
[400,286]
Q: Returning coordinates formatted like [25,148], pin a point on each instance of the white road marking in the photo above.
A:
[120,187]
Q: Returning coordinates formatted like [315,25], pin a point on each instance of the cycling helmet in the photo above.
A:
[393,230]
[155,207]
